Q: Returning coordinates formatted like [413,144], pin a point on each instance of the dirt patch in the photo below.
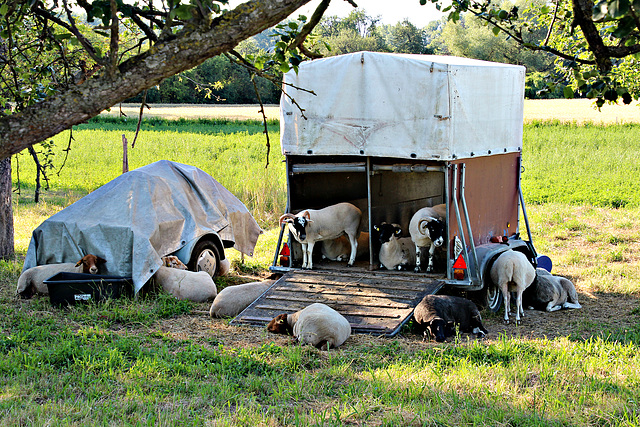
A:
[601,314]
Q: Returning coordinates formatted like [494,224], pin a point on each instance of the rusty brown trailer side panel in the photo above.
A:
[375,303]
[491,193]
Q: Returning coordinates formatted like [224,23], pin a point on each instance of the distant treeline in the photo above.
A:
[218,80]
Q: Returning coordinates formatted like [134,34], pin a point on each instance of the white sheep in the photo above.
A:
[186,285]
[233,299]
[32,280]
[340,248]
[311,226]
[316,324]
[427,229]
[395,252]
[550,293]
[512,272]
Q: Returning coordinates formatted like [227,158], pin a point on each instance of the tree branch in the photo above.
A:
[188,48]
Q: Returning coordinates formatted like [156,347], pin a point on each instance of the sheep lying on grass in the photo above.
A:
[31,281]
[186,285]
[439,315]
[550,293]
[512,272]
[317,324]
[233,299]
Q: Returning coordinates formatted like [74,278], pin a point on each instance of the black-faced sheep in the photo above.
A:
[233,299]
[32,280]
[438,316]
[395,252]
[512,272]
[550,293]
[427,229]
[317,324]
[186,285]
[311,226]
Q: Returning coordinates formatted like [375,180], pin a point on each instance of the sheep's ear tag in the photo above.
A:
[79,263]
[398,232]
[375,227]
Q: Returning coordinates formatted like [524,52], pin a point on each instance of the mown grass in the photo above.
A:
[157,361]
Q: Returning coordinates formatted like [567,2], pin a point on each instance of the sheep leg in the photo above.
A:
[571,305]
[507,300]
[432,250]
[310,254]
[553,307]
[417,269]
[304,255]
[354,249]
[519,309]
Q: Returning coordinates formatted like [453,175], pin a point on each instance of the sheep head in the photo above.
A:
[387,231]
[434,229]
[280,325]
[90,263]
[297,224]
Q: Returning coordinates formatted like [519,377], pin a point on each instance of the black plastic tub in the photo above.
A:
[77,288]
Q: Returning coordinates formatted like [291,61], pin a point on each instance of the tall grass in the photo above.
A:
[582,164]
[233,152]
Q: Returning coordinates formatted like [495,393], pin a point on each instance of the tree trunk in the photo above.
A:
[6,210]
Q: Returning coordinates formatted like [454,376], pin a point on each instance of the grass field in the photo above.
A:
[157,361]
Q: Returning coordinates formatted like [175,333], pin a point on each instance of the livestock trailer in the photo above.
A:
[393,133]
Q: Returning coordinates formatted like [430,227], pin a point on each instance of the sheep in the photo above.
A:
[439,315]
[186,285]
[550,293]
[340,248]
[512,271]
[395,252]
[311,226]
[316,324]
[173,262]
[427,228]
[233,299]
[32,280]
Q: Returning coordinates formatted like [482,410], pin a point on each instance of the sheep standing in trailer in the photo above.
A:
[317,324]
[32,280]
[550,293]
[512,272]
[439,315]
[339,249]
[311,226]
[395,252]
[427,229]
[233,299]
[186,285]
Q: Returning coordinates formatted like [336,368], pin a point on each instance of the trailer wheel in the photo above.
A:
[490,297]
[205,257]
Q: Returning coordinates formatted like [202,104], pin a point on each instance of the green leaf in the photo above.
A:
[284,67]
[625,26]
[618,8]
[4,9]
[568,92]
[293,25]
[600,10]
[496,31]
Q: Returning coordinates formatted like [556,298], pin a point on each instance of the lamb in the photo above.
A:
[439,315]
[316,324]
[340,248]
[427,229]
[233,299]
[311,226]
[32,280]
[186,285]
[550,293]
[395,252]
[512,272]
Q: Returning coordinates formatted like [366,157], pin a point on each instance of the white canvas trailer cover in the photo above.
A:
[402,106]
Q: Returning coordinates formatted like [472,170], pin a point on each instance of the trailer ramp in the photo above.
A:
[376,303]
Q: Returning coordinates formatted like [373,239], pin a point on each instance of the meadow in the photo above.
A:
[157,361]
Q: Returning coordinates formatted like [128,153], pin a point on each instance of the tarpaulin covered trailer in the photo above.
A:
[393,133]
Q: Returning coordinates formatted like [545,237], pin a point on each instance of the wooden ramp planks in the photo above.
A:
[376,303]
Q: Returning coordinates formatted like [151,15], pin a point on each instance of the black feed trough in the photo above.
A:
[77,288]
